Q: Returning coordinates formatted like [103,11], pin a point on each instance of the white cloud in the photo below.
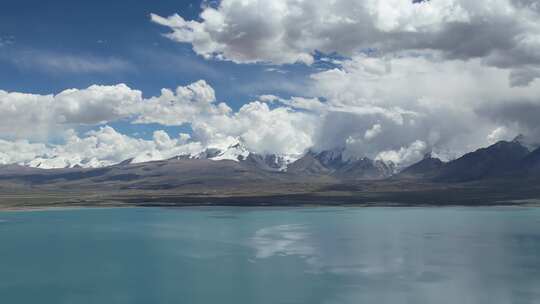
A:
[399,16]
[20,151]
[183,106]
[25,116]
[32,116]
[373,132]
[54,62]
[264,130]
[96,104]
[498,134]
[289,31]
[98,148]
[405,156]
[377,104]
[282,130]
[244,32]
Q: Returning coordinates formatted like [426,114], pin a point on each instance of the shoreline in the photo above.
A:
[67,207]
[50,200]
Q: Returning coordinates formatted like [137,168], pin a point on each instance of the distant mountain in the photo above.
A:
[506,171]
[531,163]
[235,152]
[61,162]
[365,169]
[527,142]
[238,152]
[427,168]
[501,159]
[496,160]
[331,159]
[269,162]
[167,174]
[309,164]
[334,163]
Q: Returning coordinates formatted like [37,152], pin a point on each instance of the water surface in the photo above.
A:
[271,255]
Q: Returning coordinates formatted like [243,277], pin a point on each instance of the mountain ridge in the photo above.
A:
[312,179]
[496,161]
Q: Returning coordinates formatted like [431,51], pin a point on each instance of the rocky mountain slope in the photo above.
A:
[334,163]
[498,174]
[505,159]
[236,167]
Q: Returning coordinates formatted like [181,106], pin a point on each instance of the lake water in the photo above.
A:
[271,255]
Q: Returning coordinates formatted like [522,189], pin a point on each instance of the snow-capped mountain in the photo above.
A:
[501,160]
[238,152]
[333,162]
[58,162]
[235,152]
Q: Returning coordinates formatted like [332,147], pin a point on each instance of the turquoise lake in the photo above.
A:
[271,255]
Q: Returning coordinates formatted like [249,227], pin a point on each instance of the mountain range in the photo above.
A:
[504,159]
[504,170]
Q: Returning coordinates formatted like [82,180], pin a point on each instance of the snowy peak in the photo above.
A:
[498,160]
[332,159]
[268,162]
[61,162]
[236,152]
[271,162]
[333,162]
[426,168]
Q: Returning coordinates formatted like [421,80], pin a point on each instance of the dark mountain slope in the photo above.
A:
[151,175]
[427,168]
[531,163]
[333,163]
[308,164]
[498,160]
[364,169]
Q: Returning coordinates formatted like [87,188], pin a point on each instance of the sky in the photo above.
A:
[95,83]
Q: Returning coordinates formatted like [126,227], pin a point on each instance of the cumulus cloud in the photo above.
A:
[183,106]
[98,148]
[385,103]
[373,132]
[500,133]
[405,156]
[107,145]
[32,116]
[515,114]
[503,33]
[19,151]
[262,129]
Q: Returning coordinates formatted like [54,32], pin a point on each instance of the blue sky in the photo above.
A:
[120,36]
[132,49]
